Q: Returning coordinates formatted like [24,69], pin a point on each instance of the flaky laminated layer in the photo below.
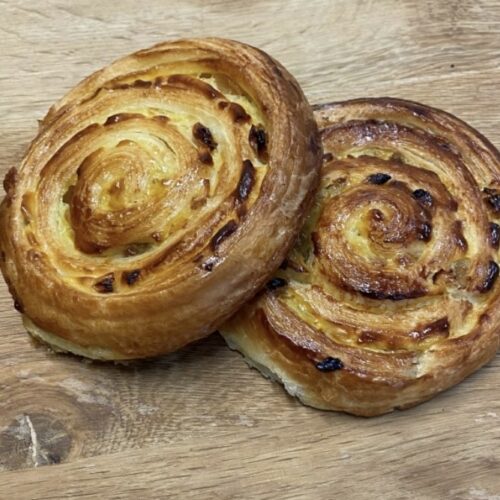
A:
[391,293]
[158,196]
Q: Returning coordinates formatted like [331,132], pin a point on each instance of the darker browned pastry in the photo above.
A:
[158,196]
[391,292]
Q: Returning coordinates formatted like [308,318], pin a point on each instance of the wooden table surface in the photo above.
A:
[200,423]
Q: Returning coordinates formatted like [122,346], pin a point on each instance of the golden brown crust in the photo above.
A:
[159,195]
[391,293]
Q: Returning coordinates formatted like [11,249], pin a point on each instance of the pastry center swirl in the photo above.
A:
[372,240]
[120,188]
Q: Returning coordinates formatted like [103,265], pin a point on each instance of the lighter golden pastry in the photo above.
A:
[391,293]
[158,196]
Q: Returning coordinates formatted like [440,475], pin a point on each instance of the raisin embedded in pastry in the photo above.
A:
[391,292]
[159,195]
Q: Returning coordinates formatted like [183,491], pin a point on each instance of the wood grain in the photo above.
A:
[200,423]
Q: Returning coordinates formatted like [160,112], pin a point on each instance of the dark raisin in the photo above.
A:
[247,180]
[276,283]
[203,135]
[223,233]
[132,276]
[330,365]
[423,197]
[238,113]
[494,201]
[491,276]
[425,231]
[494,234]
[105,285]
[327,157]
[258,140]
[379,178]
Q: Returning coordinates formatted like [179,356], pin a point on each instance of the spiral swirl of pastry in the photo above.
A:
[158,196]
[391,293]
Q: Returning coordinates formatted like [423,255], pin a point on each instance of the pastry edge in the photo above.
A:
[292,387]
[60,345]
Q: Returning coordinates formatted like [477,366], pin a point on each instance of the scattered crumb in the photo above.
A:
[145,409]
